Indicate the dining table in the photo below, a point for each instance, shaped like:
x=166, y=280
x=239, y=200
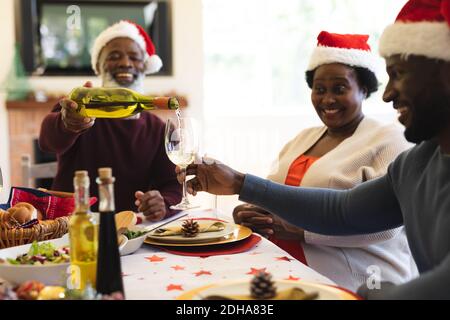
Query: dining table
x=153, y=273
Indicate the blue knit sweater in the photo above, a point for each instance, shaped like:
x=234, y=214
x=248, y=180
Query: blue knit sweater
x=415, y=192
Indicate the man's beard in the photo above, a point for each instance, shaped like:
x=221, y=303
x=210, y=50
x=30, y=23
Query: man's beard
x=428, y=120
x=137, y=85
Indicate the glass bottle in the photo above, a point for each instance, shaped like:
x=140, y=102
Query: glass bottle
x=117, y=102
x=83, y=237
x=109, y=273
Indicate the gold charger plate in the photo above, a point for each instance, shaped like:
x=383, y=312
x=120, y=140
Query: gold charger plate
x=226, y=288
x=239, y=233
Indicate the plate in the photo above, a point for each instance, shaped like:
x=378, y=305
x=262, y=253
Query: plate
x=239, y=233
x=199, y=238
x=241, y=288
x=49, y=274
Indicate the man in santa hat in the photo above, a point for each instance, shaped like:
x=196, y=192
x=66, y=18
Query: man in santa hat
x=416, y=190
x=121, y=56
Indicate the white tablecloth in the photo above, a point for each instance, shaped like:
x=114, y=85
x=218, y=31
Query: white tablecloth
x=153, y=274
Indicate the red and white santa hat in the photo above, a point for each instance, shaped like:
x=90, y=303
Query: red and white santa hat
x=421, y=28
x=127, y=29
x=349, y=49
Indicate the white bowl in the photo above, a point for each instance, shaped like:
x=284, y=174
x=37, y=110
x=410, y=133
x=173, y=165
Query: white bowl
x=128, y=246
x=48, y=274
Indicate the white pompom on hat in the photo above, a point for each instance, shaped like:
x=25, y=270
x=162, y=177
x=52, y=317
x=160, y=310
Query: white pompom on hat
x=127, y=29
x=349, y=49
x=421, y=28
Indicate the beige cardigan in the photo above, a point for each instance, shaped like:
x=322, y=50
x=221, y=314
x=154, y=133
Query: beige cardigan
x=363, y=156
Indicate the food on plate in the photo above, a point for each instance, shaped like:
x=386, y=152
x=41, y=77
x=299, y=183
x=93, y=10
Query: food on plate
x=44, y=253
x=125, y=220
x=204, y=226
x=29, y=290
x=130, y=234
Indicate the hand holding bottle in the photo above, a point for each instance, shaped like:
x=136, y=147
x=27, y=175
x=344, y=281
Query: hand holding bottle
x=71, y=119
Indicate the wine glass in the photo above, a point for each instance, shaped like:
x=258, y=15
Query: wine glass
x=181, y=142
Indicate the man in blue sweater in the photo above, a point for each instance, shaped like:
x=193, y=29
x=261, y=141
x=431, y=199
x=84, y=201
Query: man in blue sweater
x=416, y=190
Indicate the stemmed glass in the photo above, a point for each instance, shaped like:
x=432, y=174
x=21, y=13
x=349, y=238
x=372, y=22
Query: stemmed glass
x=181, y=142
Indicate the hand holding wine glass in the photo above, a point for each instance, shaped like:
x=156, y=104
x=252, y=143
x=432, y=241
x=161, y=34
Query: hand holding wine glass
x=181, y=142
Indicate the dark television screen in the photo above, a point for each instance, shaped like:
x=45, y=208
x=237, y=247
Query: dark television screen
x=57, y=35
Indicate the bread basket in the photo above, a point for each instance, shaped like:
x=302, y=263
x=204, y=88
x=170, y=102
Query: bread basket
x=13, y=235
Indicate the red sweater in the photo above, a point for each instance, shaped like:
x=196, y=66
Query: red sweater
x=134, y=149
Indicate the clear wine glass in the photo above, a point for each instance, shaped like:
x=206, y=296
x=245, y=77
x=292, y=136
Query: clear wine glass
x=181, y=142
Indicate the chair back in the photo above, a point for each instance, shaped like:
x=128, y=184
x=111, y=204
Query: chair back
x=30, y=171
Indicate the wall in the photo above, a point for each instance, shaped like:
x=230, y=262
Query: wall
x=188, y=67
x=6, y=56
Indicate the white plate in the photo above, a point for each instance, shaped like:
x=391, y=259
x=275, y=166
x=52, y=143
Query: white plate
x=49, y=274
x=241, y=288
x=199, y=238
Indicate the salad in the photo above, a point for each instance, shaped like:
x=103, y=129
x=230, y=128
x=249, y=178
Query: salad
x=134, y=234
x=44, y=253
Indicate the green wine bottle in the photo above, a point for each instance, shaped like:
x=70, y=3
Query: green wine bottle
x=117, y=102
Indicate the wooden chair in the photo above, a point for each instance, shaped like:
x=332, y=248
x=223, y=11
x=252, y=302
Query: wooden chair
x=30, y=171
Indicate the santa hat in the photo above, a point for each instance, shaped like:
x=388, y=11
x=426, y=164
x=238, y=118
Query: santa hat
x=127, y=29
x=422, y=28
x=349, y=49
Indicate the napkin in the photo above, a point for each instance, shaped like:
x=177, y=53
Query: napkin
x=288, y=294
x=210, y=226
x=215, y=250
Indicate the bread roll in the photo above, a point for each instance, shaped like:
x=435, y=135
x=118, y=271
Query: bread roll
x=23, y=212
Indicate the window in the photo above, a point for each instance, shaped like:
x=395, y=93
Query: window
x=257, y=51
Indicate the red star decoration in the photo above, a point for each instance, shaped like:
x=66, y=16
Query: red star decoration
x=177, y=268
x=254, y=271
x=292, y=278
x=284, y=259
x=202, y=272
x=172, y=287
x=154, y=258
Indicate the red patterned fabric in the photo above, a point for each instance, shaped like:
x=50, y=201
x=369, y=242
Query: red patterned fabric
x=50, y=206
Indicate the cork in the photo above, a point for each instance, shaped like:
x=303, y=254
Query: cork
x=105, y=173
x=81, y=174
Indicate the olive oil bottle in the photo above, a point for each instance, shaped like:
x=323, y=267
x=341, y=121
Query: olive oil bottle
x=109, y=271
x=83, y=236
x=117, y=102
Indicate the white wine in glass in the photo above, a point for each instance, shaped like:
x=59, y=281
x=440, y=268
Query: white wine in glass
x=181, y=143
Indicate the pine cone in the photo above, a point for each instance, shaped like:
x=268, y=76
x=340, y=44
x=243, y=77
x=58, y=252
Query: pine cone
x=190, y=228
x=262, y=286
